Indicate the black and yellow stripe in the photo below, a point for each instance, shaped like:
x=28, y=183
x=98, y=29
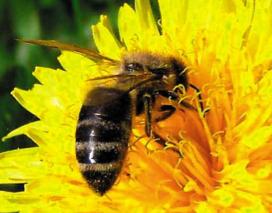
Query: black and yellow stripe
x=102, y=136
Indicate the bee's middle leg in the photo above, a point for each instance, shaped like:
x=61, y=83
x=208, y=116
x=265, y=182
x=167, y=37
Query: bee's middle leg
x=166, y=110
x=147, y=100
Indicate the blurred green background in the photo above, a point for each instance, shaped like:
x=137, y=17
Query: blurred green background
x=64, y=20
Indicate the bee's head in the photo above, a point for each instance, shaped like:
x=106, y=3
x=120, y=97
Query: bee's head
x=168, y=71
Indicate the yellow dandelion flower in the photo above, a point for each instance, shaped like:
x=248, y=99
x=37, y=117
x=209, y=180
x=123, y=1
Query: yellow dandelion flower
x=220, y=162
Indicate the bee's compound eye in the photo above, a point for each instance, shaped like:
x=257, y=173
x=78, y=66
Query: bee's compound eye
x=132, y=67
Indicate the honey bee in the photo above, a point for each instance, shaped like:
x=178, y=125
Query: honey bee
x=105, y=119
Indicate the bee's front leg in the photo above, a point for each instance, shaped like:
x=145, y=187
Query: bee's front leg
x=167, y=111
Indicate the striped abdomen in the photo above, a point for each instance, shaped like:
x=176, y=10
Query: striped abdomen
x=102, y=136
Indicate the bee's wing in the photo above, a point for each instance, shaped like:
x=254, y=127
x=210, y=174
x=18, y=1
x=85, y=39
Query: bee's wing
x=125, y=81
x=91, y=54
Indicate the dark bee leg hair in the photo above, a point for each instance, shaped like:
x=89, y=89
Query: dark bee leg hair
x=200, y=100
x=173, y=96
x=148, y=111
x=167, y=110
